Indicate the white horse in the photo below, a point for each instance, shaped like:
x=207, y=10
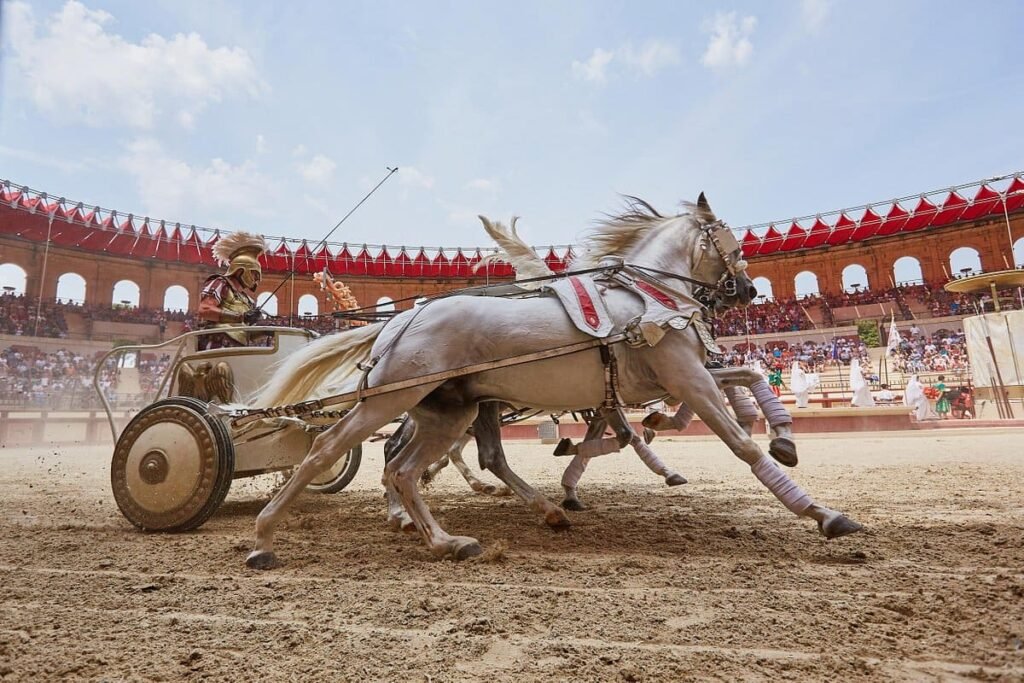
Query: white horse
x=465, y=332
x=529, y=266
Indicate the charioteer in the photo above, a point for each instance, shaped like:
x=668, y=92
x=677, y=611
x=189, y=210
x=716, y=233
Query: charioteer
x=228, y=300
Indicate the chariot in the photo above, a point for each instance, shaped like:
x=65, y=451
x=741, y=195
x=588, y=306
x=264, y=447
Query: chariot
x=174, y=459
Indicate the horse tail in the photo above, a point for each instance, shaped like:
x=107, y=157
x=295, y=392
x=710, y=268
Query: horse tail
x=320, y=365
x=513, y=250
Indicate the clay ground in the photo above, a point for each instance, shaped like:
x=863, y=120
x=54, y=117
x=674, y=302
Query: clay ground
x=709, y=580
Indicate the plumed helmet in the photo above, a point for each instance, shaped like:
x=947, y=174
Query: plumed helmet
x=240, y=252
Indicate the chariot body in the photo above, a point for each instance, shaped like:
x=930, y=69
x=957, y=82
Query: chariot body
x=175, y=459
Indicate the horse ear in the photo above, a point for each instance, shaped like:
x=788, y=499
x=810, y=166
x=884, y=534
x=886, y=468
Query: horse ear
x=702, y=202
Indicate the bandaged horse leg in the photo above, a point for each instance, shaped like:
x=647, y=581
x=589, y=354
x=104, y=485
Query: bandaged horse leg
x=437, y=427
x=701, y=392
x=780, y=422
x=659, y=421
x=487, y=431
x=654, y=463
x=576, y=468
x=744, y=407
x=357, y=426
x=782, y=446
x=594, y=445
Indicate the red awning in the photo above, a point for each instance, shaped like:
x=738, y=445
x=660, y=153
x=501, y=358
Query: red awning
x=986, y=201
x=770, y=242
x=951, y=210
x=1015, y=195
x=399, y=266
x=422, y=266
x=893, y=221
x=362, y=264
x=842, y=231
x=795, y=238
x=923, y=214
x=750, y=244
x=867, y=226
x=818, y=234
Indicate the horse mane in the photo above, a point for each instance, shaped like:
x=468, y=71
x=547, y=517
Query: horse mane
x=616, y=234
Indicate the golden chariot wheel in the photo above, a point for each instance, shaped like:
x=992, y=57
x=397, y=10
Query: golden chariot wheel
x=340, y=474
x=172, y=466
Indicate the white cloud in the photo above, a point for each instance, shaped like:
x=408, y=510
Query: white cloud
x=318, y=170
x=261, y=144
x=410, y=176
x=171, y=188
x=652, y=56
x=299, y=150
x=483, y=185
x=593, y=70
x=730, y=44
x=813, y=13
x=75, y=70
x=646, y=60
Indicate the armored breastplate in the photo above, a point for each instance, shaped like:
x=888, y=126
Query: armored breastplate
x=238, y=302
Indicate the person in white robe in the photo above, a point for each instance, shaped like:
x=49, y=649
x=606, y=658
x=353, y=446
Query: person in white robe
x=800, y=386
x=858, y=385
x=914, y=398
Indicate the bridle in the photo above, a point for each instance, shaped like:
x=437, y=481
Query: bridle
x=718, y=234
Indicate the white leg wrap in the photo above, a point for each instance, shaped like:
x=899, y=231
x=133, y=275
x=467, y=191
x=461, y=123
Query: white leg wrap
x=575, y=470
x=653, y=462
x=778, y=482
x=681, y=420
x=596, y=447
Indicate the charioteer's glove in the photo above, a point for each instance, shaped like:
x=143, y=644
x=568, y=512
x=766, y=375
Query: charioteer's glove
x=251, y=317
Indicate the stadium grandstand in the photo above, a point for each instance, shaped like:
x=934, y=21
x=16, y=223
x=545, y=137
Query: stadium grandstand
x=78, y=279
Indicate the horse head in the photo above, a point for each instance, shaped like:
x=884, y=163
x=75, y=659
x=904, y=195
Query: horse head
x=726, y=269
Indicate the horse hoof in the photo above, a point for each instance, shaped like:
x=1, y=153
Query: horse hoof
x=783, y=450
x=648, y=435
x=556, y=519
x=838, y=526
x=573, y=504
x=675, y=479
x=261, y=559
x=466, y=549
x=653, y=420
x=489, y=489
x=565, y=447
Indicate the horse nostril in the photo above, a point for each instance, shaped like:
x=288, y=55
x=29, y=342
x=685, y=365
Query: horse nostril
x=752, y=290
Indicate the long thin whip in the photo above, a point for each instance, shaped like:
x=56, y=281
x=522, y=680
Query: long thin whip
x=391, y=172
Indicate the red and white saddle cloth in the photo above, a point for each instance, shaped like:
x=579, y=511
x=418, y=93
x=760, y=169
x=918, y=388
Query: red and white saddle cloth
x=583, y=301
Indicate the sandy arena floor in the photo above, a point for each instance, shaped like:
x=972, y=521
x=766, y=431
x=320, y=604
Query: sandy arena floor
x=709, y=580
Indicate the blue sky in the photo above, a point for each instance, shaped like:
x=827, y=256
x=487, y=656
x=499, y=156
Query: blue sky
x=278, y=117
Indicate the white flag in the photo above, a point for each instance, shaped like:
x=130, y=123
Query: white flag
x=894, y=337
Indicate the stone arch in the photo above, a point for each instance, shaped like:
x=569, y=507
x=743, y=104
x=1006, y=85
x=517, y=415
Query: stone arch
x=13, y=279
x=176, y=298
x=126, y=294
x=764, y=287
x=907, y=270
x=964, y=261
x=806, y=284
x=855, y=274
x=1018, y=252
x=71, y=288
x=267, y=302
x=385, y=304
x=309, y=305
